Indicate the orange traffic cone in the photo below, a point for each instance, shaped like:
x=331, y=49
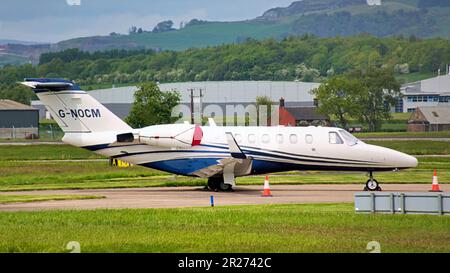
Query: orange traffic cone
x=266, y=192
x=435, y=186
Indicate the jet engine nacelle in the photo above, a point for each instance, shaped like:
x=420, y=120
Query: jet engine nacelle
x=171, y=136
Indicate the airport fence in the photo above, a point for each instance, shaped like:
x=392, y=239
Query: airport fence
x=46, y=131
x=50, y=131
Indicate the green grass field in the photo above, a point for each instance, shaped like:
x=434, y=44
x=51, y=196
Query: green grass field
x=443, y=134
x=44, y=152
x=266, y=228
x=398, y=123
x=82, y=175
x=5, y=199
x=25, y=175
x=415, y=147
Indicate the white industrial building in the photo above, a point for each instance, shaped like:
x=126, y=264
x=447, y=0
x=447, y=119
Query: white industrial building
x=119, y=100
x=430, y=92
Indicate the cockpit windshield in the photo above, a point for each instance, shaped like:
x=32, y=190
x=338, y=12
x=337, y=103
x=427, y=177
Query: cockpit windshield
x=349, y=138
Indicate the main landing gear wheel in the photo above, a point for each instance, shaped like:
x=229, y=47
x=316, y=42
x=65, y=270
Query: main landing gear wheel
x=372, y=184
x=225, y=187
x=217, y=184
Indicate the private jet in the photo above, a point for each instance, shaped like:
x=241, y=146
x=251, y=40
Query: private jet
x=217, y=153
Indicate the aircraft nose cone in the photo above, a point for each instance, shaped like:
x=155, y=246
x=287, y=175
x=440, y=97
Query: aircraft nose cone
x=409, y=161
x=401, y=160
x=391, y=158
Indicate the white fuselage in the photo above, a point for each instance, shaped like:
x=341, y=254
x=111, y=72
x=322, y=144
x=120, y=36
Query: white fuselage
x=271, y=149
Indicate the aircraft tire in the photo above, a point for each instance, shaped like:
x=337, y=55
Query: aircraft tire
x=225, y=187
x=217, y=184
x=372, y=185
x=212, y=184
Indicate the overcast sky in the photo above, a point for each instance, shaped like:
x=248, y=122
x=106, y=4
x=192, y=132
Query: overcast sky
x=56, y=20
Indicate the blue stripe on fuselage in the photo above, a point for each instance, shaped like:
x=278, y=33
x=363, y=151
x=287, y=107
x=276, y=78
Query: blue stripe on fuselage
x=188, y=166
x=185, y=166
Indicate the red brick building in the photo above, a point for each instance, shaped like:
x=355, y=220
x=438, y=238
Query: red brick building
x=301, y=116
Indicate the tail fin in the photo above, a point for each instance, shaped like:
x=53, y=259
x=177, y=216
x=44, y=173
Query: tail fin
x=74, y=110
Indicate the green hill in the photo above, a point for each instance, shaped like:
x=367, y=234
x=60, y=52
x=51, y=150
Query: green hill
x=12, y=59
x=324, y=18
x=208, y=34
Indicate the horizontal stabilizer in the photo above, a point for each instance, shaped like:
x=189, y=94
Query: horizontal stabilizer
x=38, y=84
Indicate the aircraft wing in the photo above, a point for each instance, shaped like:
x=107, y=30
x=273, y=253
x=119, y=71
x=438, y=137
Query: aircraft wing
x=217, y=168
x=238, y=163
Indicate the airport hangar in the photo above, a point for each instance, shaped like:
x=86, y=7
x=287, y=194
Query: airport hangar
x=18, y=120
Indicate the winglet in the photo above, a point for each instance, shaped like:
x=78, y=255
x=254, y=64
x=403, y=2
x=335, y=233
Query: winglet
x=235, y=150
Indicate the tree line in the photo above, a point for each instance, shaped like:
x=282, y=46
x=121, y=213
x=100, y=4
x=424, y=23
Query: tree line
x=380, y=23
x=306, y=58
x=163, y=26
x=362, y=95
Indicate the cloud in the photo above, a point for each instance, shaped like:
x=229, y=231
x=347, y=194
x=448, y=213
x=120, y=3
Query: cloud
x=66, y=28
x=63, y=28
x=374, y=2
x=73, y=2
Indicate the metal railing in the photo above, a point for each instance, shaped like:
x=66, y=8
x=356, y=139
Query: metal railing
x=403, y=202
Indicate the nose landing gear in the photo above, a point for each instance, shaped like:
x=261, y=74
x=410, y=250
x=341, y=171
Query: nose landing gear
x=372, y=184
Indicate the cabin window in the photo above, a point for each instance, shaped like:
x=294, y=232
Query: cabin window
x=251, y=138
x=293, y=139
x=309, y=139
x=280, y=139
x=265, y=138
x=334, y=138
